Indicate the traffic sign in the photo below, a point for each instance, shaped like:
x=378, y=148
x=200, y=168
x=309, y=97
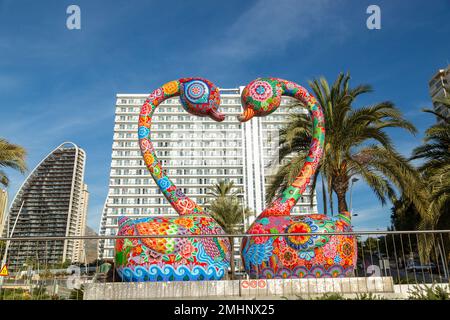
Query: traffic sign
x=4, y=271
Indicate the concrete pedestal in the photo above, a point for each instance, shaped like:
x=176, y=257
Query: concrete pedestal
x=236, y=289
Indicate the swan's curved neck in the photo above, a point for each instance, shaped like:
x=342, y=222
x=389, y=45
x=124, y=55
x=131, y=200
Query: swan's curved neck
x=290, y=196
x=182, y=204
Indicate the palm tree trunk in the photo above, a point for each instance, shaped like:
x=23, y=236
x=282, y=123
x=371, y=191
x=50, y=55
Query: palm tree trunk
x=324, y=198
x=342, y=202
x=330, y=198
x=340, y=186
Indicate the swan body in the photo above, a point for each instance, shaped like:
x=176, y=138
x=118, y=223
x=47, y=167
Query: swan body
x=172, y=258
x=317, y=254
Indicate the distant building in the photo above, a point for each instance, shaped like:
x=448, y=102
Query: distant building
x=52, y=202
x=79, y=251
x=440, y=88
x=3, y=206
x=197, y=153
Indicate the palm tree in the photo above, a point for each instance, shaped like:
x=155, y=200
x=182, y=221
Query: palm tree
x=227, y=210
x=356, y=144
x=404, y=215
x=12, y=156
x=436, y=166
x=230, y=214
x=2, y=248
x=223, y=189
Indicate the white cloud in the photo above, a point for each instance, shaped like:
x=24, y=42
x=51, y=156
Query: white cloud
x=373, y=217
x=270, y=26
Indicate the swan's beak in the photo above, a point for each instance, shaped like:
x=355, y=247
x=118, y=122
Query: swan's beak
x=217, y=116
x=246, y=115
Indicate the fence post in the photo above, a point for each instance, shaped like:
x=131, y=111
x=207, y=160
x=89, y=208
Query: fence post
x=232, y=258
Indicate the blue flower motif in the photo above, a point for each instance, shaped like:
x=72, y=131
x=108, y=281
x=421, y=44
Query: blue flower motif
x=337, y=259
x=260, y=89
x=143, y=132
x=309, y=241
x=307, y=255
x=264, y=221
x=257, y=253
x=163, y=183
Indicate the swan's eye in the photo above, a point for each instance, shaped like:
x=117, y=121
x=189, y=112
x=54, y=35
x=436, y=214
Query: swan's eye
x=260, y=98
x=197, y=91
x=200, y=97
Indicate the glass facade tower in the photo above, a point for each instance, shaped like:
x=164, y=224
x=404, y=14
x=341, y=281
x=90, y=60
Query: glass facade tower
x=52, y=202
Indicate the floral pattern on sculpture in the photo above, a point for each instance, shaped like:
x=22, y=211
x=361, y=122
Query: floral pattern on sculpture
x=172, y=258
x=312, y=251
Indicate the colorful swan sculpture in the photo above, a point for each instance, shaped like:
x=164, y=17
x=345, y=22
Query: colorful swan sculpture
x=297, y=256
x=173, y=259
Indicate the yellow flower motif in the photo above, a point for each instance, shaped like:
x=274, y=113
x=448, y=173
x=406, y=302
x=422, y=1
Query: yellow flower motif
x=187, y=223
x=312, y=100
x=170, y=87
x=148, y=158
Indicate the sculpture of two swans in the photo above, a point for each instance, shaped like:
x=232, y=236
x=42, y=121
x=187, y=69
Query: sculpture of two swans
x=170, y=259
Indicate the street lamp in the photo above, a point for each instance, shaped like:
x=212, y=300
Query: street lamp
x=351, y=189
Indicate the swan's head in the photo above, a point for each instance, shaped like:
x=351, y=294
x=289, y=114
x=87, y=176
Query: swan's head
x=260, y=98
x=200, y=97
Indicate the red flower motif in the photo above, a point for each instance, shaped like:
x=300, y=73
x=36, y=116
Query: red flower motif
x=258, y=229
x=288, y=256
x=187, y=250
x=146, y=108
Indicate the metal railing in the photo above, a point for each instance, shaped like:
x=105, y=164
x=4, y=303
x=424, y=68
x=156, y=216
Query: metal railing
x=409, y=257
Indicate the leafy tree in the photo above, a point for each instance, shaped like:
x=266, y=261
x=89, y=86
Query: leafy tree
x=404, y=216
x=2, y=247
x=227, y=210
x=11, y=156
x=223, y=189
x=435, y=152
x=435, y=171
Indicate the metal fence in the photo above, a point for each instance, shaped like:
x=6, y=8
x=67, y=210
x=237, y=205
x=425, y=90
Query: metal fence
x=409, y=257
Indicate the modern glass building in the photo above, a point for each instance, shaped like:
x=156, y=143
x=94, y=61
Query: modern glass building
x=52, y=202
x=196, y=152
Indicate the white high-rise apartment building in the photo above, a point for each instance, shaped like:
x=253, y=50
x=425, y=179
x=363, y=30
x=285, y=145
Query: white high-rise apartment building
x=440, y=88
x=196, y=152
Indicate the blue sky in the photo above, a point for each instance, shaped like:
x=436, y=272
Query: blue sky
x=58, y=84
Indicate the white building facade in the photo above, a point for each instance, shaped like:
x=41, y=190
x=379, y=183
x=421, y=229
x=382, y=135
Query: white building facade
x=439, y=86
x=196, y=152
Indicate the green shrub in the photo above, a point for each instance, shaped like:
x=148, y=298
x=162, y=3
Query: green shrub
x=14, y=294
x=77, y=294
x=405, y=281
x=367, y=296
x=331, y=296
x=40, y=293
x=432, y=292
